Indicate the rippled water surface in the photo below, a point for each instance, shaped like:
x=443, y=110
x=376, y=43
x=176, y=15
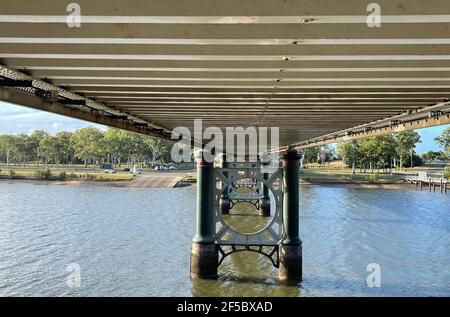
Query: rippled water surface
x=136, y=242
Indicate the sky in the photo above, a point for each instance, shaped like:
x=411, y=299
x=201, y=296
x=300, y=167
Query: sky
x=17, y=119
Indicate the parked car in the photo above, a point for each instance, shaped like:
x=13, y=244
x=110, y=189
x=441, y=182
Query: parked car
x=172, y=167
x=126, y=169
x=157, y=168
x=109, y=170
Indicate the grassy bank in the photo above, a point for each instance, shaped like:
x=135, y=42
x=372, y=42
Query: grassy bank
x=62, y=175
x=329, y=174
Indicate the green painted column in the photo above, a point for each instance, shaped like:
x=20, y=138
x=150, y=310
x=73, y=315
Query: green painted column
x=290, y=270
x=264, y=209
x=204, y=252
x=265, y=188
x=291, y=197
x=225, y=203
x=205, y=196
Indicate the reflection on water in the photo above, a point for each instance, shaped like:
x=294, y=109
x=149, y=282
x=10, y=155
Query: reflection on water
x=250, y=273
x=244, y=218
x=136, y=242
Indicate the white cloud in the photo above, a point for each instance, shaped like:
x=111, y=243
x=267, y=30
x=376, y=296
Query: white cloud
x=17, y=119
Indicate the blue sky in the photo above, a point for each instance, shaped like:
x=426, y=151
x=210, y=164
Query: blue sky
x=16, y=119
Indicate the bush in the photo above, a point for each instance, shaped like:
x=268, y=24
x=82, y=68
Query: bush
x=11, y=173
x=373, y=178
x=42, y=174
x=62, y=175
x=447, y=172
x=72, y=175
x=90, y=177
x=37, y=174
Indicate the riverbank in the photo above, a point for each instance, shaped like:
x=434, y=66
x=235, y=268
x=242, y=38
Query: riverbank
x=144, y=180
x=64, y=182
x=367, y=185
x=361, y=181
x=172, y=179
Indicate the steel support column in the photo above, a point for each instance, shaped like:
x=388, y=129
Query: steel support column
x=225, y=203
x=204, y=252
x=264, y=206
x=290, y=270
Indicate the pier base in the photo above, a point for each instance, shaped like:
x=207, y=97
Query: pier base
x=204, y=260
x=264, y=207
x=290, y=270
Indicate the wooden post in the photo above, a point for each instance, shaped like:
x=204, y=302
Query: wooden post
x=440, y=187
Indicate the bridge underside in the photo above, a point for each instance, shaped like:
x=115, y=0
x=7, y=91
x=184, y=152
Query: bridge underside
x=313, y=68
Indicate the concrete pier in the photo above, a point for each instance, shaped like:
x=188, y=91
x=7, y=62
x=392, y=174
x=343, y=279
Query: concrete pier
x=204, y=260
x=290, y=270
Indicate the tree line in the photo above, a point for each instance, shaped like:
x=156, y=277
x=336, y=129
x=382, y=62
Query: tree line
x=93, y=147
x=90, y=146
x=385, y=151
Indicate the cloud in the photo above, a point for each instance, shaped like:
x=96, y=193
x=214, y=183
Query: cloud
x=17, y=119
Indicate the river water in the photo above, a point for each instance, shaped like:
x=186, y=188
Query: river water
x=136, y=242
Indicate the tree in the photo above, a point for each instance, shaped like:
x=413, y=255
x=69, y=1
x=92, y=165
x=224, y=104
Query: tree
x=369, y=151
x=311, y=154
x=34, y=140
x=117, y=144
x=8, y=145
x=385, y=150
x=65, y=150
x=444, y=141
x=160, y=149
x=22, y=150
x=432, y=155
x=376, y=151
x=406, y=142
x=49, y=149
x=88, y=145
x=350, y=153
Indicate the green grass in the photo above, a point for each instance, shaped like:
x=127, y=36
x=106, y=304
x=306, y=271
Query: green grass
x=98, y=176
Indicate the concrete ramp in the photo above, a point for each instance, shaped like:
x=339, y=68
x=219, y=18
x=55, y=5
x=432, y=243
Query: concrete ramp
x=156, y=180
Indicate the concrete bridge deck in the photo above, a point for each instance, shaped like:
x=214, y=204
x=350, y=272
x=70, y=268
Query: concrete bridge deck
x=321, y=72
